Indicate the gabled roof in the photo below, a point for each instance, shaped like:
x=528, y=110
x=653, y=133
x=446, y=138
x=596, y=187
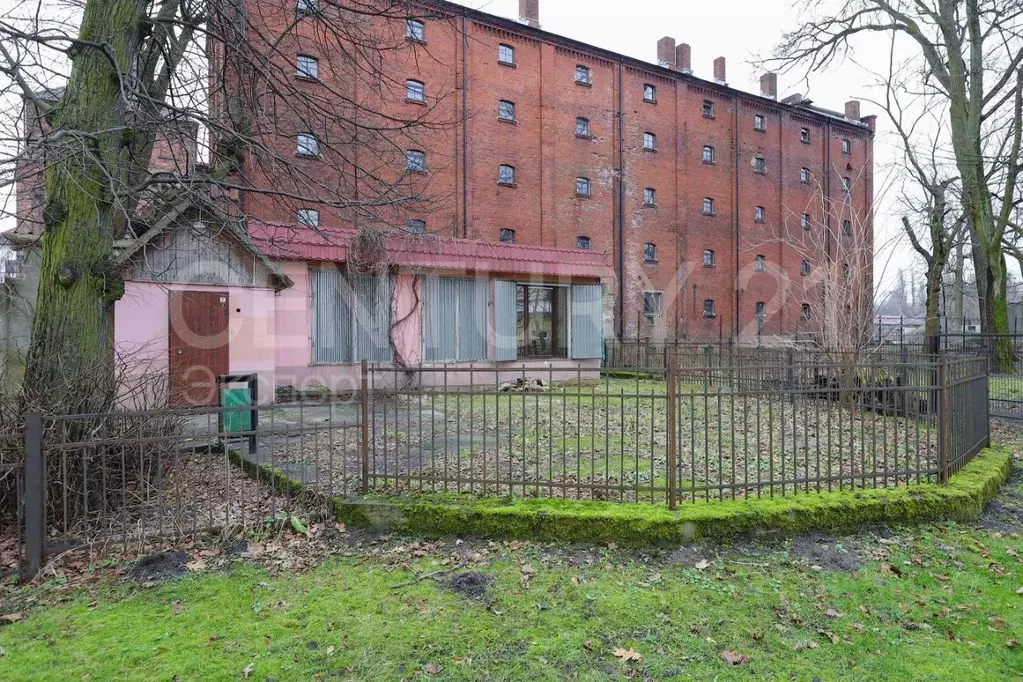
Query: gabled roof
x=297, y=242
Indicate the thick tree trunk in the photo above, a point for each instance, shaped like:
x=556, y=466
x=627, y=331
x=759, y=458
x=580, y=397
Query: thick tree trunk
x=933, y=303
x=69, y=366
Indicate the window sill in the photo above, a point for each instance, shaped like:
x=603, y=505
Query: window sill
x=584, y=84
x=709, y=163
x=509, y=121
x=649, y=205
x=314, y=157
x=416, y=171
x=649, y=262
x=762, y=173
x=648, y=150
x=508, y=65
x=709, y=215
x=710, y=116
x=708, y=317
x=804, y=141
x=583, y=196
x=420, y=102
x=512, y=185
x=709, y=267
x=649, y=101
x=760, y=222
x=306, y=79
x=418, y=41
x=583, y=137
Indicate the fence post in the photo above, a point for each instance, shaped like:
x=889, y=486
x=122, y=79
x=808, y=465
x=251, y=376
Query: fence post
x=672, y=392
x=364, y=399
x=944, y=419
x=35, y=496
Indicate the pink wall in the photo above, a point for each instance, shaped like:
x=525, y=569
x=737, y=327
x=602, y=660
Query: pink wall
x=141, y=333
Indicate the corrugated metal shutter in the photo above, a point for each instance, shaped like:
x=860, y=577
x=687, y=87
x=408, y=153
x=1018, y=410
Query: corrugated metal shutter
x=505, y=320
x=372, y=318
x=587, y=330
x=455, y=319
x=332, y=337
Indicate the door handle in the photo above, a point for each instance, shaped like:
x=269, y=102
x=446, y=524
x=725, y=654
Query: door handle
x=180, y=352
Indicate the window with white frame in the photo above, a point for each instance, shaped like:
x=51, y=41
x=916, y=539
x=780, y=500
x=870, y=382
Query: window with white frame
x=583, y=243
x=708, y=258
x=308, y=217
x=804, y=221
x=760, y=214
x=649, y=253
x=761, y=263
x=542, y=321
x=306, y=144
x=415, y=91
x=582, y=127
x=649, y=93
x=708, y=307
x=759, y=123
x=506, y=236
x=505, y=175
x=804, y=176
x=506, y=55
x=708, y=206
x=582, y=187
x=351, y=317
x=708, y=108
x=582, y=75
x=650, y=142
x=307, y=67
x=846, y=185
x=506, y=110
x=415, y=30
x=759, y=165
x=649, y=197
x=651, y=304
x=846, y=146
x=415, y=161
x=307, y=6
x=708, y=154
x=804, y=135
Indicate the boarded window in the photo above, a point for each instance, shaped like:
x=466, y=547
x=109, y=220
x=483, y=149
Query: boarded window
x=351, y=317
x=455, y=319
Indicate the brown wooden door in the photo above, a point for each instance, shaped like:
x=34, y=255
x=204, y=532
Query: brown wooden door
x=198, y=346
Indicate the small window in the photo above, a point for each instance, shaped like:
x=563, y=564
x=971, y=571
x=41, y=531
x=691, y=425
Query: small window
x=761, y=264
x=307, y=145
x=309, y=217
x=506, y=110
x=506, y=55
x=760, y=214
x=582, y=187
x=804, y=135
x=416, y=227
x=507, y=236
x=650, y=142
x=649, y=93
x=804, y=268
x=415, y=30
x=415, y=91
x=505, y=175
x=708, y=108
x=307, y=67
x=759, y=165
x=708, y=154
x=708, y=206
x=761, y=309
x=804, y=176
x=649, y=253
x=846, y=273
x=649, y=197
x=307, y=6
x=759, y=123
x=846, y=228
x=582, y=127
x=804, y=221
x=708, y=307
x=582, y=75
x=708, y=258
x=652, y=303
x=804, y=312
x=846, y=185
x=584, y=243
x=846, y=146
x=415, y=161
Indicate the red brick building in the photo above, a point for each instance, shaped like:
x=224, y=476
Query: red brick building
x=715, y=206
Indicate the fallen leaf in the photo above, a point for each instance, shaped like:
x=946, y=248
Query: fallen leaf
x=432, y=669
x=196, y=566
x=942, y=577
x=733, y=658
x=178, y=606
x=1012, y=644
x=330, y=651
x=588, y=645
x=832, y=613
x=527, y=569
x=805, y=645
x=702, y=564
x=248, y=670
x=1019, y=591
x=627, y=654
x=12, y=617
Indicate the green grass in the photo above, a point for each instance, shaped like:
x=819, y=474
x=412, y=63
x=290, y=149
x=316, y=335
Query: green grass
x=936, y=602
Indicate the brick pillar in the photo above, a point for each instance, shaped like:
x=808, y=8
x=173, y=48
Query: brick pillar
x=769, y=85
x=684, y=58
x=529, y=12
x=852, y=110
x=666, y=52
x=719, y=70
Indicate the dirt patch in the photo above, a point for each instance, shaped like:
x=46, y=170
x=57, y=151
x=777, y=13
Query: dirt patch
x=1005, y=512
x=160, y=566
x=472, y=585
x=826, y=552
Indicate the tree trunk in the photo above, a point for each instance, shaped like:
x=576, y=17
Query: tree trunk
x=69, y=367
x=933, y=304
x=959, y=313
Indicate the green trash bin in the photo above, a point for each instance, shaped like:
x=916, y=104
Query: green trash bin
x=236, y=421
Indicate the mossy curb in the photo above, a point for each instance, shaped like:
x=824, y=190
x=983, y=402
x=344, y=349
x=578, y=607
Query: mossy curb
x=651, y=525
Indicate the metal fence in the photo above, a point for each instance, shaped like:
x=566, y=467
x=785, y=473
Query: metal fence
x=668, y=435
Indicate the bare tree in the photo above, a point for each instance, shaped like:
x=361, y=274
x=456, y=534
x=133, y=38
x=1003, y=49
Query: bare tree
x=969, y=54
x=110, y=87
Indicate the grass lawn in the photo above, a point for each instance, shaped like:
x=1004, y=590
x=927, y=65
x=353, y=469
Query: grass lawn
x=936, y=602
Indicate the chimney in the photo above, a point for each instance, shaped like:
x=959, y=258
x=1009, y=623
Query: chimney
x=719, y=71
x=684, y=59
x=666, y=52
x=852, y=110
x=769, y=85
x=529, y=13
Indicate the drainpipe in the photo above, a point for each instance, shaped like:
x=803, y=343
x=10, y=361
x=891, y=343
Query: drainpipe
x=465, y=132
x=620, y=198
x=736, y=211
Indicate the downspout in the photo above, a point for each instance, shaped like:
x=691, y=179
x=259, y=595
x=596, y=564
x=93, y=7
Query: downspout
x=620, y=198
x=735, y=211
x=465, y=132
